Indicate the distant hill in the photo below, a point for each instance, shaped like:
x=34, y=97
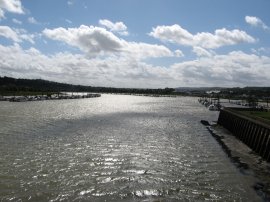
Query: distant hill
x=201, y=89
x=11, y=85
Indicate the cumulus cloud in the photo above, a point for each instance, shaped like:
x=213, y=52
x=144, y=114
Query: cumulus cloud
x=32, y=20
x=144, y=50
x=9, y=33
x=89, y=39
x=221, y=37
x=117, y=62
x=13, y=6
x=178, y=53
x=256, y=22
x=16, y=21
x=261, y=51
x=118, y=27
x=233, y=69
x=75, y=68
x=201, y=52
x=16, y=35
x=97, y=41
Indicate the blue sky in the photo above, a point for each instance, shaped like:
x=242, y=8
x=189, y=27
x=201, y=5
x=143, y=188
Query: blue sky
x=144, y=44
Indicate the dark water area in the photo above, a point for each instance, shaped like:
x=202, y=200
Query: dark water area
x=115, y=148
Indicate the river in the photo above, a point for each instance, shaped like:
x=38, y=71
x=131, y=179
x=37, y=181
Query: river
x=114, y=148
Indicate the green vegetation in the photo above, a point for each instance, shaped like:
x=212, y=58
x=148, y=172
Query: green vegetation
x=26, y=93
x=12, y=86
x=250, y=95
x=258, y=114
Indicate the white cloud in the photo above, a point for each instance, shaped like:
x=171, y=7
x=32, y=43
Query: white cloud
x=178, y=53
x=117, y=62
x=16, y=35
x=118, y=27
x=96, y=41
x=221, y=37
x=28, y=37
x=71, y=68
x=261, y=51
x=16, y=21
x=144, y=50
x=201, y=52
x=2, y=14
x=70, y=3
x=9, y=33
x=255, y=21
x=68, y=21
x=32, y=20
x=92, y=40
x=233, y=69
x=13, y=6
x=173, y=34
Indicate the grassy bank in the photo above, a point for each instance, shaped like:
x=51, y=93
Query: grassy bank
x=257, y=114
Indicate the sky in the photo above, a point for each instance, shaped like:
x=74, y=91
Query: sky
x=137, y=43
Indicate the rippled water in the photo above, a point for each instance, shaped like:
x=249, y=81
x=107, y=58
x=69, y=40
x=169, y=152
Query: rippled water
x=114, y=148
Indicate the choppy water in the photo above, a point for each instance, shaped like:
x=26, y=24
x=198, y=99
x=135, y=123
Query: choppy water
x=114, y=148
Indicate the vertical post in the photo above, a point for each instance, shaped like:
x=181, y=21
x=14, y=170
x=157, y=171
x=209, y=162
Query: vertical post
x=256, y=137
x=260, y=140
x=264, y=142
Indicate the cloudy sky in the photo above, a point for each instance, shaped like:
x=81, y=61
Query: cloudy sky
x=137, y=43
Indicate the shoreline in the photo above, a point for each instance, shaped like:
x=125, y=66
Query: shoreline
x=246, y=161
x=45, y=97
x=69, y=96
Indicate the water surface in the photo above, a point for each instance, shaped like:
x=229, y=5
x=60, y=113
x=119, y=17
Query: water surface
x=114, y=148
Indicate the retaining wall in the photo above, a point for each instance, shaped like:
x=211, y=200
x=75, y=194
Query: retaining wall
x=254, y=133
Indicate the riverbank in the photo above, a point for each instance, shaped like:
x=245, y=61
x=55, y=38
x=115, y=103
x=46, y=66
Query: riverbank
x=247, y=162
x=47, y=97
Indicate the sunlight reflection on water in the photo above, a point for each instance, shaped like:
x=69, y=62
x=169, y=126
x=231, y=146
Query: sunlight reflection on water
x=113, y=148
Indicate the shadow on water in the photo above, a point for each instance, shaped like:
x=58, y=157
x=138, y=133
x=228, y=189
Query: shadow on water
x=116, y=148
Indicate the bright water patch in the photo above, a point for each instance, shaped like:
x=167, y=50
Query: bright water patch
x=114, y=148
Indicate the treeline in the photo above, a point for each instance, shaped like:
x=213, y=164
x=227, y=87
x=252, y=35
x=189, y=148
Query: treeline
x=258, y=92
x=10, y=86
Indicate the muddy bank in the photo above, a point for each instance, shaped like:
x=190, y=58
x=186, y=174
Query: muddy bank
x=248, y=163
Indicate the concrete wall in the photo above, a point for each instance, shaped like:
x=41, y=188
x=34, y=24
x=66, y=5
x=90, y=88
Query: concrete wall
x=254, y=133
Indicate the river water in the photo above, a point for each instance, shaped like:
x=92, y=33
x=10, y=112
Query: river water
x=114, y=148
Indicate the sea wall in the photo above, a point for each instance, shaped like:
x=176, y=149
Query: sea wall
x=253, y=132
